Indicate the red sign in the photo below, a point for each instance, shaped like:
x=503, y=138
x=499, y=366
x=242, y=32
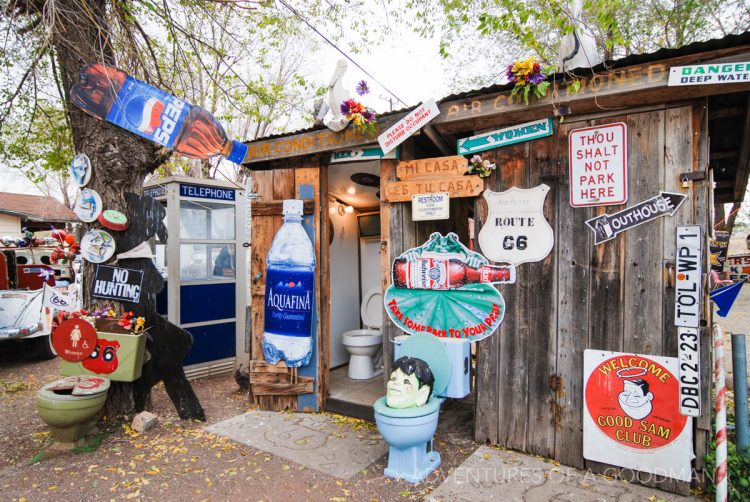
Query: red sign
x=634, y=401
x=599, y=165
x=74, y=340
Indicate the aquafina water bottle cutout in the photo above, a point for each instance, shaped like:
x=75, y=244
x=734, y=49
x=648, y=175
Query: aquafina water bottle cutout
x=290, y=292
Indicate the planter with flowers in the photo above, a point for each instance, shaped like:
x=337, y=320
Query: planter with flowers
x=120, y=348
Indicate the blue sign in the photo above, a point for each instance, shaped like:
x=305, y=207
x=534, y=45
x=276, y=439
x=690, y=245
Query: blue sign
x=155, y=192
x=203, y=192
x=148, y=112
x=506, y=136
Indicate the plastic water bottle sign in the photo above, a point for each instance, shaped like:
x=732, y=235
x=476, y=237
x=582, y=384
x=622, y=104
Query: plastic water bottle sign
x=289, y=302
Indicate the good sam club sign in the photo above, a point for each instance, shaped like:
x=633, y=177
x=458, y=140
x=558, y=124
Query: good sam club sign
x=599, y=165
x=631, y=416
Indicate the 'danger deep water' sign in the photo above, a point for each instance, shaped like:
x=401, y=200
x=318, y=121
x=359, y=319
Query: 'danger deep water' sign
x=631, y=414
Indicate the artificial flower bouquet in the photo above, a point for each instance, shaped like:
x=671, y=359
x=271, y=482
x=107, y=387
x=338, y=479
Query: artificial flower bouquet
x=481, y=167
x=528, y=77
x=361, y=116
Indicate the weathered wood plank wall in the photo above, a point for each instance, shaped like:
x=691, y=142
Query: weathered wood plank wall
x=615, y=296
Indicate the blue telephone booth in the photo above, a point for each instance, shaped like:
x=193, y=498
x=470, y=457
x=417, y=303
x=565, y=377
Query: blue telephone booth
x=206, y=268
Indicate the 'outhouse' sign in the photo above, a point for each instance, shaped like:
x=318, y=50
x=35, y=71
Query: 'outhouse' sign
x=599, y=165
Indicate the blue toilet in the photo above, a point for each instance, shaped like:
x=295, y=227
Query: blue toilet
x=409, y=432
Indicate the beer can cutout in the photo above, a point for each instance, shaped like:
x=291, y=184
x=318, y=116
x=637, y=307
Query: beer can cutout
x=113, y=220
x=97, y=246
x=80, y=170
x=445, y=289
x=88, y=205
x=74, y=340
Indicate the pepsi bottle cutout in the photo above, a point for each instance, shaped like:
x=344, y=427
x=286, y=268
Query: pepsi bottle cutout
x=108, y=93
x=290, y=292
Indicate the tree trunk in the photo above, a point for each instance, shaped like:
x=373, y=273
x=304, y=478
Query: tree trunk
x=120, y=162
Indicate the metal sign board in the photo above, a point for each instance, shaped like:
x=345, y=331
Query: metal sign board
x=701, y=74
x=607, y=226
x=205, y=192
x=688, y=353
x=689, y=265
x=516, y=231
x=455, y=165
x=116, y=283
x=505, y=136
x=598, y=165
x=738, y=267
x=445, y=289
x=414, y=121
x=430, y=206
x=631, y=415
x=455, y=186
x=372, y=152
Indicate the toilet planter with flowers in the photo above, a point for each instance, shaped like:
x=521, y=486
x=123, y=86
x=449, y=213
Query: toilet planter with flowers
x=119, y=350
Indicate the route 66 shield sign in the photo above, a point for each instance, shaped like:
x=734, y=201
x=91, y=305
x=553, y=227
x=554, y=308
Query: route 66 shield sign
x=516, y=231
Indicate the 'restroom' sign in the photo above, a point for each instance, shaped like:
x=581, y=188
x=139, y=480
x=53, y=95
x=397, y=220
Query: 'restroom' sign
x=631, y=414
x=599, y=165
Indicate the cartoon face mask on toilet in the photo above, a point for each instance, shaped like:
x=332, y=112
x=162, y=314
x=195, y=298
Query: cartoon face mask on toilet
x=410, y=384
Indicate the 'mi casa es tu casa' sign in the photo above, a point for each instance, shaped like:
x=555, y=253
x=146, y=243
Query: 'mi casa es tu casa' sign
x=445, y=289
x=506, y=136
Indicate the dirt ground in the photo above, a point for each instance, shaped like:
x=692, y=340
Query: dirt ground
x=177, y=460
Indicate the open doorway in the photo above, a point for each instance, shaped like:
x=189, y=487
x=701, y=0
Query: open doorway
x=356, y=308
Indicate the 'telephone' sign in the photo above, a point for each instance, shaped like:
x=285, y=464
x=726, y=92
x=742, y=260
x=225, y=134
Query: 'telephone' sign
x=689, y=260
x=204, y=192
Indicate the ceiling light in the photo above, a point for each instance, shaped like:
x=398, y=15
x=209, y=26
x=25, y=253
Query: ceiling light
x=349, y=209
x=351, y=190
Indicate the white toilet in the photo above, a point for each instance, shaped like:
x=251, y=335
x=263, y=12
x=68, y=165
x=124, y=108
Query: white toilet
x=364, y=344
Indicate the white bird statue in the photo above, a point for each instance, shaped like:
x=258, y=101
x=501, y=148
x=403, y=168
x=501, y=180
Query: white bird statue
x=333, y=118
x=578, y=48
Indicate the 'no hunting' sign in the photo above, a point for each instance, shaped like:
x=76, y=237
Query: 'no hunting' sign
x=115, y=283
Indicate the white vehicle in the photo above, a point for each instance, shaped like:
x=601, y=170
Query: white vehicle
x=21, y=318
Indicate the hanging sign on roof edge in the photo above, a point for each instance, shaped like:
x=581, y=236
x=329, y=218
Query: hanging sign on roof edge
x=505, y=136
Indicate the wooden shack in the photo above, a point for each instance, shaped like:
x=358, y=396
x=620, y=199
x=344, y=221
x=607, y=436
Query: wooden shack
x=615, y=296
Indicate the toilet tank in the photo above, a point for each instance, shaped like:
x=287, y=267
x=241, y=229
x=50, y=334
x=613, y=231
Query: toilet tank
x=459, y=353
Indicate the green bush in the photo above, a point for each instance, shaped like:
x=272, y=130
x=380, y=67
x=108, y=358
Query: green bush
x=739, y=472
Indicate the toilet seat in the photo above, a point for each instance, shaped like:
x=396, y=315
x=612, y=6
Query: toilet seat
x=362, y=337
x=82, y=387
x=431, y=406
x=431, y=350
x=371, y=308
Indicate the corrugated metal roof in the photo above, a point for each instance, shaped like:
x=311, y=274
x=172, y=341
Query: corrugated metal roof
x=635, y=59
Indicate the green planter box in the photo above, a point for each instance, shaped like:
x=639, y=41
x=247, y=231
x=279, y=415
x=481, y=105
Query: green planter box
x=120, y=358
